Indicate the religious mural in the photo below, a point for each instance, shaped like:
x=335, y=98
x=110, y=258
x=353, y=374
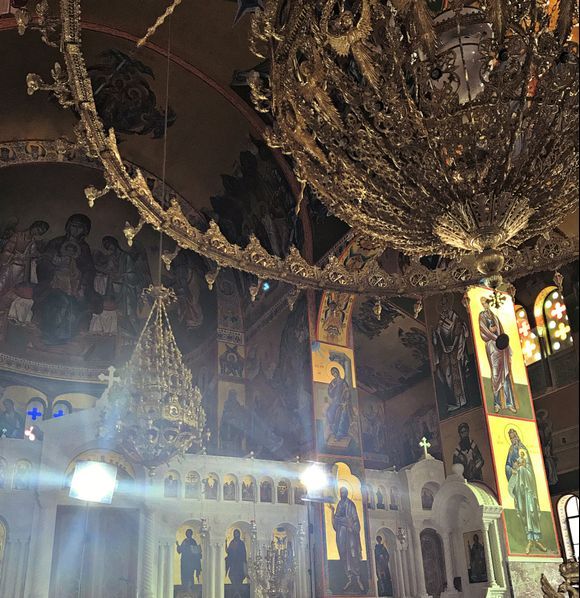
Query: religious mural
x=518, y=455
x=279, y=387
x=70, y=291
x=257, y=200
x=188, y=558
x=346, y=549
x=124, y=98
x=453, y=355
x=433, y=562
x=522, y=487
x=238, y=543
x=336, y=403
x=382, y=567
x=465, y=442
x=502, y=367
x=475, y=557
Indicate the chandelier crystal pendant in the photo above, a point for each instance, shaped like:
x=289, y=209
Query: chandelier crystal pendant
x=447, y=131
x=154, y=412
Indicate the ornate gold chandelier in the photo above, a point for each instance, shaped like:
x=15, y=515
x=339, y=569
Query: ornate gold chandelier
x=154, y=412
x=445, y=132
x=407, y=177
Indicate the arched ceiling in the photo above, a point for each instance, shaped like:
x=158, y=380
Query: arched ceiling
x=212, y=123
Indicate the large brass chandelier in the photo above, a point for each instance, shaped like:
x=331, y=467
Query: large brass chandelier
x=445, y=131
x=453, y=135
x=153, y=412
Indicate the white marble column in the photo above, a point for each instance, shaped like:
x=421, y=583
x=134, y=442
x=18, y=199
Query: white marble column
x=10, y=568
x=421, y=587
x=168, y=570
x=409, y=571
x=488, y=557
x=22, y=568
x=160, y=568
x=302, y=552
x=37, y=580
x=219, y=569
x=448, y=556
x=496, y=544
x=401, y=589
x=405, y=563
x=147, y=573
x=209, y=573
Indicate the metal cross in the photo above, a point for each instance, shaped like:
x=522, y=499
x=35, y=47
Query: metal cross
x=425, y=445
x=110, y=378
x=34, y=414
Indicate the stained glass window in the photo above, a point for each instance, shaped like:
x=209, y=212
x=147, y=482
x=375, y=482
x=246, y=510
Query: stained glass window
x=528, y=338
x=558, y=329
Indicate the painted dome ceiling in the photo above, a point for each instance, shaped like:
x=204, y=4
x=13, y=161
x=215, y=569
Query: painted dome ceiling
x=216, y=162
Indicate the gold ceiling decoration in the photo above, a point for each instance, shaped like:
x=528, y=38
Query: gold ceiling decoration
x=439, y=133
x=153, y=411
x=72, y=87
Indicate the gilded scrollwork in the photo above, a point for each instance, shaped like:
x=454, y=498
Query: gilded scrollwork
x=326, y=68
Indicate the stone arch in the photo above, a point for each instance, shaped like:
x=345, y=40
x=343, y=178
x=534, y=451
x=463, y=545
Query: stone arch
x=465, y=510
x=230, y=488
x=35, y=412
x=172, y=484
x=381, y=497
x=433, y=562
x=61, y=408
x=369, y=494
x=428, y=493
x=388, y=582
x=248, y=489
x=283, y=491
x=192, y=485
x=77, y=400
x=266, y=490
x=245, y=530
x=196, y=526
x=22, y=478
x=125, y=471
x=211, y=486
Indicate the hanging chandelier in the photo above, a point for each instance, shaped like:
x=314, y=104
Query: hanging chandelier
x=447, y=131
x=378, y=107
x=272, y=572
x=153, y=412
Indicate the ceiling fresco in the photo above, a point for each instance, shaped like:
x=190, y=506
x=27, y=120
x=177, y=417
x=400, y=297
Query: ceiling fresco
x=392, y=353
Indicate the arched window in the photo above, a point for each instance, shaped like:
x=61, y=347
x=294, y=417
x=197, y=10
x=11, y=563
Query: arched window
x=60, y=409
x=528, y=338
x=172, y=484
x=552, y=319
x=568, y=513
x=35, y=412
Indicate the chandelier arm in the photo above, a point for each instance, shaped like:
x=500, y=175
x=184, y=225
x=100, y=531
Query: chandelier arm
x=412, y=108
x=527, y=68
x=417, y=280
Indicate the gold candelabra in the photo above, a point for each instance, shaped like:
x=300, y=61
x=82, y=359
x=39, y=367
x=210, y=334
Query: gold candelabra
x=272, y=571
